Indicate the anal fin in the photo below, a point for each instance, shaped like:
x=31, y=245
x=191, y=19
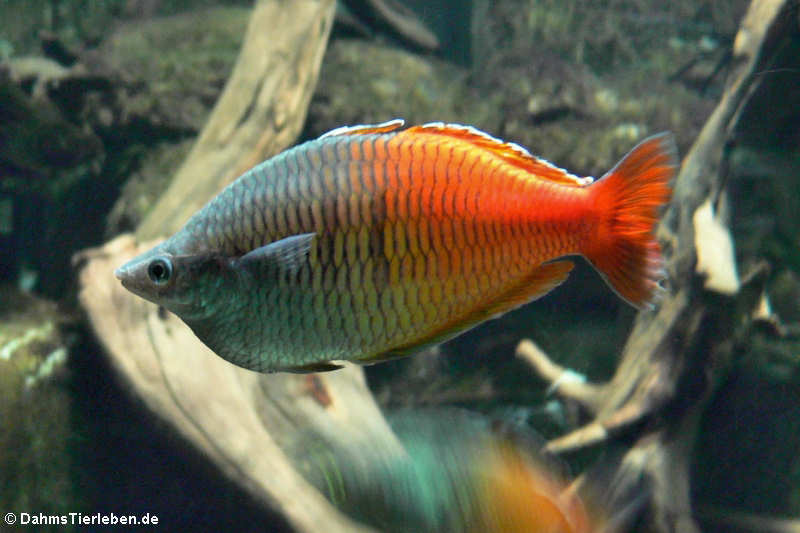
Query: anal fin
x=542, y=280
x=325, y=366
x=538, y=283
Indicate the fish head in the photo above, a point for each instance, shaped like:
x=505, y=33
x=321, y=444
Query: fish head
x=188, y=285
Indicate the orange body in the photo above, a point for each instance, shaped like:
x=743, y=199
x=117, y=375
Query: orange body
x=441, y=227
x=521, y=496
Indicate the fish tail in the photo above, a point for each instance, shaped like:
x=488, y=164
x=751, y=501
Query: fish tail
x=622, y=246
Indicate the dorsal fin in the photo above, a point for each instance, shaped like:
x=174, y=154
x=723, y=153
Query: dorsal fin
x=363, y=129
x=509, y=152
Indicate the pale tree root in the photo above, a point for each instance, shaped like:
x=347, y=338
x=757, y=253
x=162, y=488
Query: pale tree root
x=676, y=355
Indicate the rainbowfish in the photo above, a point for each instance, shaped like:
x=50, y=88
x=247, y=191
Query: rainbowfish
x=455, y=472
x=374, y=241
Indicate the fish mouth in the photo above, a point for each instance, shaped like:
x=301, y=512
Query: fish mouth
x=134, y=277
x=127, y=275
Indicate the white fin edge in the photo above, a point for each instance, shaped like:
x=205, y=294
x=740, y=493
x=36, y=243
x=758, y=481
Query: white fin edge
x=389, y=125
x=588, y=180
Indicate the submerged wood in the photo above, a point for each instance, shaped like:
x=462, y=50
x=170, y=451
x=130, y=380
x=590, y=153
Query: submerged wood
x=675, y=355
x=260, y=112
x=242, y=421
x=405, y=23
x=395, y=15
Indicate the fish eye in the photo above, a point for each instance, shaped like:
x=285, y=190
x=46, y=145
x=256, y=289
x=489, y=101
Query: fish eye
x=159, y=270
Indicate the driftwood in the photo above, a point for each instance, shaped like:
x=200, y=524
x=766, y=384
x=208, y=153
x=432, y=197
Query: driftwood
x=398, y=18
x=241, y=420
x=260, y=112
x=676, y=354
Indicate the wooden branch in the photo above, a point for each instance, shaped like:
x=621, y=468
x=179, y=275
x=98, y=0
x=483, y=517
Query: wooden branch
x=392, y=14
x=260, y=112
x=405, y=22
x=675, y=355
x=661, y=342
x=244, y=422
x=562, y=381
x=714, y=245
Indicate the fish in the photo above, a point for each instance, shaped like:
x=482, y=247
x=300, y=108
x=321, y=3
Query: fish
x=372, y=242
x=455, y=472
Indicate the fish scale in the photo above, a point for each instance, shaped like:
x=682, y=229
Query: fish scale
x=372, y=242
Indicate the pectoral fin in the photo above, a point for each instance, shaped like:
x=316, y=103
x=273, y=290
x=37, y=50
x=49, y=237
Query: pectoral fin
x=285, y=256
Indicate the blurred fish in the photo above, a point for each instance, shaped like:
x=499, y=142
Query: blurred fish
x=374, y=241
x=457, y=475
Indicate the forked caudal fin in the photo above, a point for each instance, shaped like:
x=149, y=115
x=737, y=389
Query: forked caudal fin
x=627, y=199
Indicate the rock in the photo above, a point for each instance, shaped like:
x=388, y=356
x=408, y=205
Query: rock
x=577, y=100
x=365, y=82
x=71, y=136
x=34, y=406
x=145, y=185
x=170, y=69
x=41, y=151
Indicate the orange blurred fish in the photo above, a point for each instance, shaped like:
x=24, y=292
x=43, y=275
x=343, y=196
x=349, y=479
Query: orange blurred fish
x=374, y=241
x=454, y=473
